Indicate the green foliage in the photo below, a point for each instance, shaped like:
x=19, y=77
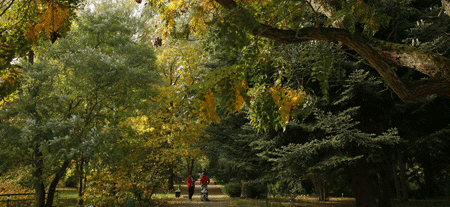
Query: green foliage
x=233, y=189
x=74, y=97
x=357, y=12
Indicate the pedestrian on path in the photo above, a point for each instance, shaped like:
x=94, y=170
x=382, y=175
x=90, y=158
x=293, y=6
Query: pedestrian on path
x=191, y=185
x=204, y=181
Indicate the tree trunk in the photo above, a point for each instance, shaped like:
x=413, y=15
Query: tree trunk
x=171, y=177
x=362, y=185
x=384, y=178
x=319, y=186
x=39, y=188
x=403, y=179
x=52, y=189
x=190, y=165
x=396, y=177
x=80, y=182
x=245, y=190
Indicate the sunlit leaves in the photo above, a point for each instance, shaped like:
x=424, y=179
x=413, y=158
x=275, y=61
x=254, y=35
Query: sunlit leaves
x=272, y=106
x=52, y=18
x=357, y=11
x=208, y=108
x=8, y=82
x=286, y=99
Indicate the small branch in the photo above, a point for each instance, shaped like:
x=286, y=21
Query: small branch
x=7, y=7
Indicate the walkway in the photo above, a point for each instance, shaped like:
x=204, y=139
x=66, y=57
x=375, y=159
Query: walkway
x=216, y=197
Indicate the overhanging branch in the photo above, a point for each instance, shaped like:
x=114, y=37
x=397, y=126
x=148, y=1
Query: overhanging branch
x=406, y=91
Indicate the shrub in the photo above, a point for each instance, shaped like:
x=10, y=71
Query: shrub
x=233, y=189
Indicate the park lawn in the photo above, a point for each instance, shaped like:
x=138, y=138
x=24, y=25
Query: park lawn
x=333, y=202
x=66, y=197
x=303, y=201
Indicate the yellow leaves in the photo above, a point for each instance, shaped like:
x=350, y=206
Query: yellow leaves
x=238, y=96
x=286, y=99
x=208, y=108
x=52, y=18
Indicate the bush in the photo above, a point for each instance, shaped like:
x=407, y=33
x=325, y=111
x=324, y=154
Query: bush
x=257, y=190
x=233, y=189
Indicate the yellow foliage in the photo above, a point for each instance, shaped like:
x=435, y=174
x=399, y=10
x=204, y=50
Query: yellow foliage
x=286, y=99
x=52, y=18
x=238, y=96
x=208, y=108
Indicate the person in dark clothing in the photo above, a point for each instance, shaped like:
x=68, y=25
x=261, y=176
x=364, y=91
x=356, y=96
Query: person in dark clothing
x=191, y=185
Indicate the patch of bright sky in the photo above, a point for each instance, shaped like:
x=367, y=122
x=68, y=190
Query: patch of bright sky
x=137, y=10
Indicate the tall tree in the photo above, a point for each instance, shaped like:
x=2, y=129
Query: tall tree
x=76, y=89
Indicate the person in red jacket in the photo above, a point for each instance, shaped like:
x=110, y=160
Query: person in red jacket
x=204, y=181
x=191, y=185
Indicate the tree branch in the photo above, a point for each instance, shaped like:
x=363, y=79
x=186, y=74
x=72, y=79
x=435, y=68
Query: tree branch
x=7, y=7
x=379, y=60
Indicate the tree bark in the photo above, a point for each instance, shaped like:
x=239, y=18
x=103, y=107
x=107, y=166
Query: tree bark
x=80, y=182
x=39, y=188
x=319, y=186
x=446, y=6
x=52, y=189
x=396, y=177
x=362, y=185
x=430, y=64
x=171, y=177
x=190, y=165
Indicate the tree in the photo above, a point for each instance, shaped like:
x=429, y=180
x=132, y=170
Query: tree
x=21, y=24
x=228, y=145
x=354, y=24
x=77, y=89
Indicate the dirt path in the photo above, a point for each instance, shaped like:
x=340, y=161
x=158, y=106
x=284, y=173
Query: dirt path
x=215, y=194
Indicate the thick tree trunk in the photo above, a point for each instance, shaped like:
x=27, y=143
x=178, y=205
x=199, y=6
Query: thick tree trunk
x=52, y=189
x=39, y=193
x=362, y=185
x=39, y=188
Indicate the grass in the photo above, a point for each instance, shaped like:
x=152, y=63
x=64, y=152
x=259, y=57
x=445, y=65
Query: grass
x=334, y=202
x=67, y=197
x=303, y=202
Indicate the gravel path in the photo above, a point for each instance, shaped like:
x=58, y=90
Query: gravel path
x=215, y=194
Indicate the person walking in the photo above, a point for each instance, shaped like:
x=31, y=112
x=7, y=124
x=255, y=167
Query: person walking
x=204, y=181
x=191, y=185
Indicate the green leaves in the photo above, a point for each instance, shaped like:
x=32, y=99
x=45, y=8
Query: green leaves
x=358, y=16
x=79, y=90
